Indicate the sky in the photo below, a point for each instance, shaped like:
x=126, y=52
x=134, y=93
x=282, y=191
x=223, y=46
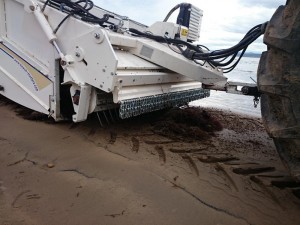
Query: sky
x=224, y=22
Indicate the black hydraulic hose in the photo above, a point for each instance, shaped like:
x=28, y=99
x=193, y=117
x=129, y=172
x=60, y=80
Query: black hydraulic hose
x=224, y=58
x=229, y=69
x=216, y=63
x=163, y=39
x=90, y=3
x=171, y=12
x=79, y=9
x=97, y=20
x=224, y=53
x=46, y=3
x=61, y=23
x=244, y=42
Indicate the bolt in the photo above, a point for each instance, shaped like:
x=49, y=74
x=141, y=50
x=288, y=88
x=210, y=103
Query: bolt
x=32, y=8
x=97, y=35
x=101, y=86
x=112, y=73
x=63, y=63
x=104, y=70
x=77, y=54
x=109, y=89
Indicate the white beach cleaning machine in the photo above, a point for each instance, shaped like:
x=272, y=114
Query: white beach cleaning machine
x=69, y=58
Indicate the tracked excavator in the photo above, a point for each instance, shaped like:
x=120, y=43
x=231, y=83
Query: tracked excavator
x=68, y=58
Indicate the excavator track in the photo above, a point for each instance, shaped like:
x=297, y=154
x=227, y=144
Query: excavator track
x=279, y=83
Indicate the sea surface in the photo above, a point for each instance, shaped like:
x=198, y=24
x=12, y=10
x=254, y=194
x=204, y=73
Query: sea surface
x=245, y=70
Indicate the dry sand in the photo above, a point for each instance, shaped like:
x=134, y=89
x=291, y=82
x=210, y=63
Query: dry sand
x=140, y=171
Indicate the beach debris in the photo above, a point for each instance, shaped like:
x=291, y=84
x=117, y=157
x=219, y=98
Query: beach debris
x=50, y=165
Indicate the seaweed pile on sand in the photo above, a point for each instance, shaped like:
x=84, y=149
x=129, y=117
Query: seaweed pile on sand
x=188, y=123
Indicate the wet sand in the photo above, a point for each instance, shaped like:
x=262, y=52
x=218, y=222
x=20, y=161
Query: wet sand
x=140, y=171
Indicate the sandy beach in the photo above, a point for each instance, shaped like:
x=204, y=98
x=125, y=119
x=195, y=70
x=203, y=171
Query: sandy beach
x=165, y=168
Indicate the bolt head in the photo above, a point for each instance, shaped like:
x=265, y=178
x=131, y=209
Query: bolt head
x=97, y=35
x=63, y=63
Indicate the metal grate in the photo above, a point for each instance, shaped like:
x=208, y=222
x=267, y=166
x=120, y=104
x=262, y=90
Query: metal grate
x=138, y=106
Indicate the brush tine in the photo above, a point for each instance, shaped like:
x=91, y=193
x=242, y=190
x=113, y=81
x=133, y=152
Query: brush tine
x=106, y=118
x=99, y=119
x=111, y=116
x=117, y=114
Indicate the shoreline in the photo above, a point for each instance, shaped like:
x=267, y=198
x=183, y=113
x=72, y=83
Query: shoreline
x=238, y=104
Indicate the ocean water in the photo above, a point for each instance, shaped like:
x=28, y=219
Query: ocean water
x=245, y=70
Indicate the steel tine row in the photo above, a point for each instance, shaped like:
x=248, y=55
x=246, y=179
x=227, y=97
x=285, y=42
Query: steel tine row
x=108, y=117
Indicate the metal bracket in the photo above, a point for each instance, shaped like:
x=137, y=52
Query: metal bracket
x=232, y=88
x=82, y=106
